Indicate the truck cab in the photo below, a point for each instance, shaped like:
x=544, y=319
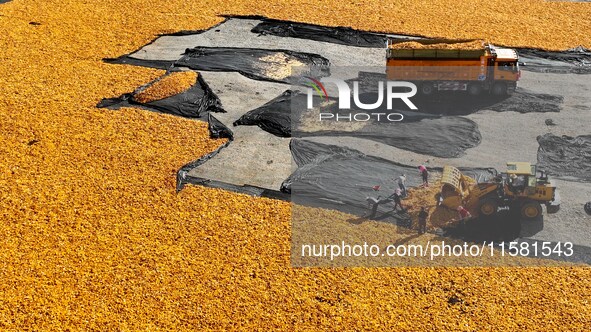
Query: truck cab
x=505, y=69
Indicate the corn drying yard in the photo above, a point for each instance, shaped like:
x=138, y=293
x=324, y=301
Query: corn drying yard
x=95, y=235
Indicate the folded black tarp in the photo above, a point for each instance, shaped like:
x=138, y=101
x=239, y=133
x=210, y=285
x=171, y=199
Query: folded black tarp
x=195, y=102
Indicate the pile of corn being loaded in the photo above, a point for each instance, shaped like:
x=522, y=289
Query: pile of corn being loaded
x=94, y=236
x=427, y=197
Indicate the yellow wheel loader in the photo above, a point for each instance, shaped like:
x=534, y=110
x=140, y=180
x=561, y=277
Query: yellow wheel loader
x=519, y=189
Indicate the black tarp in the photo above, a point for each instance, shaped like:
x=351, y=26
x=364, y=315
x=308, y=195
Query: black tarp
x=565, y=156
x=339, y=35
x=335, y=35
x=341, y=178
x=258, y=64
x=423, y=133
x=128, y=60
x=216, y=130
x=273, y=117
x=195, y=102
x=527, y=101
x=573, y=61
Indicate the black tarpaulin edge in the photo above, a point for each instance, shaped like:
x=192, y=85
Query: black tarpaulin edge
x=270, y=19
x=210, y=102
x=350, y=152
x=185, y=61
x=216, y=130
x=244, y=189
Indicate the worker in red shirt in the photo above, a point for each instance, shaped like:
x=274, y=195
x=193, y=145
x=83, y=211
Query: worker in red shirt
x=463, y=213
x=425, y=175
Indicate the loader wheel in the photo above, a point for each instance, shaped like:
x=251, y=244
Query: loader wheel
x=427, y=89
x=499, y=89
x=588, y=208
x=488, y=207
x=531, y=210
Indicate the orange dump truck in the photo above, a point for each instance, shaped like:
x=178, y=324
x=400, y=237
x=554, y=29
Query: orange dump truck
x=476, y=67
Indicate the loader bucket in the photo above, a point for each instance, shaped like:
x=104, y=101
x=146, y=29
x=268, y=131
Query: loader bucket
x=451, y=187
x=452, y=176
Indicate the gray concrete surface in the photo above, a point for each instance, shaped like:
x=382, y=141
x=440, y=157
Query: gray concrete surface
x=261, y=159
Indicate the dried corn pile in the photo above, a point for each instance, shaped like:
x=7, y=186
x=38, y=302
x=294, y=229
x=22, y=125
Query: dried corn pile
x=278, y=66
x=321, y=226
x=439, y=216
x=169, y=85
x=471, y=45
x=94, y=236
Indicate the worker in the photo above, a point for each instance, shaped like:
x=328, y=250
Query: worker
x=402, y=184
x=425, y=175
x=519, y=183
x=397, y=196
x=463, y=213
x=423, y=215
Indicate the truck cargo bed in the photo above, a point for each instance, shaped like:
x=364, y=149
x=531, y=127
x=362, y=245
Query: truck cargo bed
x=433, y=54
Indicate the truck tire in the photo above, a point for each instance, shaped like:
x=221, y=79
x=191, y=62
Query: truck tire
x=499, y=89
x=531, y=210
x=588, y=208
x=488, y=207
x=474, y=89
x=427, y=89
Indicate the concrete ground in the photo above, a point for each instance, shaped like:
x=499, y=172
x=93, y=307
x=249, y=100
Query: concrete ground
x=261, y=159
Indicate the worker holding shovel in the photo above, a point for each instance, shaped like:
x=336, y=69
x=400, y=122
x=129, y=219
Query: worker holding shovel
x=402, y=184
x=397, y=197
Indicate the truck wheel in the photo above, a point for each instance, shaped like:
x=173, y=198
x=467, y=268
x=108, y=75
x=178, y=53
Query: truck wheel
x=588, y=208
x=474, y=89
x=427, y=89
x=488, y=207
x=531, y=210
x=499, y=89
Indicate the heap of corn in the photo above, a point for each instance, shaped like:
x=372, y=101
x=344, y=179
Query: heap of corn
x=428, y=197
x=167, y=86
x=278, y=66
x=94, y=236
x=471, y=45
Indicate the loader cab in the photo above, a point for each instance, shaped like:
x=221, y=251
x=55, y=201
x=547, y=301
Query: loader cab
x=521, y=178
